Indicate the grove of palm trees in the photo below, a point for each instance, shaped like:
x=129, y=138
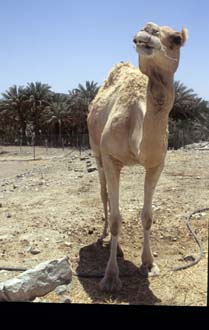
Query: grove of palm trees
x=37, y=110
x=57, y=118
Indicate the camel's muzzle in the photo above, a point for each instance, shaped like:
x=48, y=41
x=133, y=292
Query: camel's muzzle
x=146, y=43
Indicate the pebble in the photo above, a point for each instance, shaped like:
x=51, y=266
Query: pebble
x=65, y=300
x=61, y=289
x=1, y=205
x=91, y=169
x=155, y=254
x=156, y=208
x=33, y=251
x=8, y=215
x=38, y=300
x=189, y=258
x=69, y=244
x=88, y=165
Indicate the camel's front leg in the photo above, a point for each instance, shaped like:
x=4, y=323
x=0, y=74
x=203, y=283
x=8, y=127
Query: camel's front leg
x=104, y=197
x=111, y=281
x=151, y=179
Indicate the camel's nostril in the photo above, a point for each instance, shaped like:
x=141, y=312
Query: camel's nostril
x=134, y=40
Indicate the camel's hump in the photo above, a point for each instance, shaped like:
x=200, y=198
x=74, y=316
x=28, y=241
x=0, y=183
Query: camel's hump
x=124, y=70
x=125, y=83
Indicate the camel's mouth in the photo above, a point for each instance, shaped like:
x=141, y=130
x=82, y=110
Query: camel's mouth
x=147, y=47
x=147, y=40
x=143, y=47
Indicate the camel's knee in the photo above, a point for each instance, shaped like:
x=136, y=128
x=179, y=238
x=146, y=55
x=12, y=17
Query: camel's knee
x=146, y=218
x=115, y=223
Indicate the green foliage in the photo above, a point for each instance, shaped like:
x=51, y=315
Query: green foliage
x=36, y=108
x=189, y=118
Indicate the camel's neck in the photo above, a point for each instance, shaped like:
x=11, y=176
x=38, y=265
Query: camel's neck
x=160, y=98
x=160, y=94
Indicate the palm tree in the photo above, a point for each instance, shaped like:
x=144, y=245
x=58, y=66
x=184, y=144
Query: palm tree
x=57, y=115
x=189, y=117
x=39, y=96
x=88, y=92
x=79, y=99
x=78, y=108
x=14, y=108
x=186, y=102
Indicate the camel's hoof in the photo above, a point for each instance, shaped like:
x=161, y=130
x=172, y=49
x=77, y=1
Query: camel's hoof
x=149, y=271
x=110, y=283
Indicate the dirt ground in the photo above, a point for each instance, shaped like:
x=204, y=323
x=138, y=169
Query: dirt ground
x=51, y=205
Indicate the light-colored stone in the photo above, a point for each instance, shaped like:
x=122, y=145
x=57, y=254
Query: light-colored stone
x=61, y=289
x=36, y=282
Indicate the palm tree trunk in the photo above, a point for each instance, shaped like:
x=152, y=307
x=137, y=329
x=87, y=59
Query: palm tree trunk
x=60, y=131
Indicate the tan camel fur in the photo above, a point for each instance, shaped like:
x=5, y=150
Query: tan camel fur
x=128, y=125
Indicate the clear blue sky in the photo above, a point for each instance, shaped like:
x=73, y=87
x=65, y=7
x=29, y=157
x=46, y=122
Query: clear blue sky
x=64, y=43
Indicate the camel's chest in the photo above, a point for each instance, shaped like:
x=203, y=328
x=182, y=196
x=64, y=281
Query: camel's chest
x=153, y=150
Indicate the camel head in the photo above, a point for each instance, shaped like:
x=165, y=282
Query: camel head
x=159, y=48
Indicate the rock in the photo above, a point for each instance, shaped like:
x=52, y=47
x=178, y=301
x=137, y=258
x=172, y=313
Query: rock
x=189, y=258
x=91, y=169
x=8, y=215
x=36, y=282
x=68, y=244
x=88, y=165
x=155, y=254
x=33, y=250
x=1, y=205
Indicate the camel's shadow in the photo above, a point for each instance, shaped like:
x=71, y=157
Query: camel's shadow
x=135, y=289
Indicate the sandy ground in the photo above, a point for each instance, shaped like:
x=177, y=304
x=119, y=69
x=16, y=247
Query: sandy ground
x=52, y=205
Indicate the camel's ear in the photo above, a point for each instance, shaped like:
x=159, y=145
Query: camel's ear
x=184, y=35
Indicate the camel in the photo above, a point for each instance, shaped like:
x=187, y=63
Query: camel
x=128, y=125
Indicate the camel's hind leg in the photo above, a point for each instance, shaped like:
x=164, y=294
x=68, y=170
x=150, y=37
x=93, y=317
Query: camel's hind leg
x=104, y=196
x=105, y=201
